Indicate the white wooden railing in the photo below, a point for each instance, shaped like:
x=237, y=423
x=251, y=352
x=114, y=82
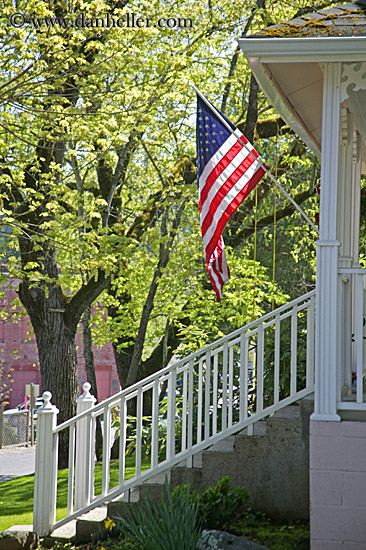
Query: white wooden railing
x=177, y=412
x=352, y=339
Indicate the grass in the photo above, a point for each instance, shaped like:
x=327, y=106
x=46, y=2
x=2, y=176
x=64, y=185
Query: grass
x=16, y=496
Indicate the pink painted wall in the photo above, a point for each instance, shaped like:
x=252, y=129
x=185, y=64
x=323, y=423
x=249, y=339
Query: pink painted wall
x=338, y=485
x=25, y=362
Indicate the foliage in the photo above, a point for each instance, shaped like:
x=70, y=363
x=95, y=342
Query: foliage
x=285, y=359
x=5, y=383
x=222, y=504
x=97, y=179
x=172, y=523
x=272, y=534
x=218, y=506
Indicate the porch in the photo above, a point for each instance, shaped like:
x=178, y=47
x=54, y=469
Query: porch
x=317, y=83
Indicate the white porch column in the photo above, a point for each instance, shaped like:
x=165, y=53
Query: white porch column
x=327, y=308
x=345, y=233
x=356, y=195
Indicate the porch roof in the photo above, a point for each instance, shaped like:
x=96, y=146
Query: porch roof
x=287, y=61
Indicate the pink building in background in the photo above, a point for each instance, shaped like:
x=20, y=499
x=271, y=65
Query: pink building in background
x=18, y=351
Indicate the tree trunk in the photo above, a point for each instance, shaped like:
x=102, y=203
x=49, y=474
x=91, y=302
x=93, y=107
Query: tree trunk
x=57, y=353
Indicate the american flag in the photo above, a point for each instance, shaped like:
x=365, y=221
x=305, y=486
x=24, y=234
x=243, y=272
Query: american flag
x=228, y=168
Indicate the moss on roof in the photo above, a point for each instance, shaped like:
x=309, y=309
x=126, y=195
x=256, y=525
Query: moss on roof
x=344, y=20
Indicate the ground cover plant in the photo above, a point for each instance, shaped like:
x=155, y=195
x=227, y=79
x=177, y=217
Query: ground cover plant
x=273, y=534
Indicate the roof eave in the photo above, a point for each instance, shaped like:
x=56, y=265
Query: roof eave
x=297, y=50
x=279, y=101
x=261, y=52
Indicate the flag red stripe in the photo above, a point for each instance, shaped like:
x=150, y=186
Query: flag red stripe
x=217, y=171
x=224, y=189
x=231, y=208
x=217, y=290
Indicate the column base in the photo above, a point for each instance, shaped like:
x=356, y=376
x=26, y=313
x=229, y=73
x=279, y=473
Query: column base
x=334, y=417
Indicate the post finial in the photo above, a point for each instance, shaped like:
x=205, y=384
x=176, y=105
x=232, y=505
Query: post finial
x=86, y=388
x=46, y=396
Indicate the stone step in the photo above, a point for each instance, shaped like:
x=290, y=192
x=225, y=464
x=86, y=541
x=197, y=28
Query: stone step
x=117, y=508
x=195, y=459
x=225, y=445
x=90, y=524
x=66, y=534
x=258, y=429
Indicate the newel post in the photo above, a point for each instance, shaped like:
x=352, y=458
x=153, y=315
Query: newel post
x=84, y=456
x=45, y=481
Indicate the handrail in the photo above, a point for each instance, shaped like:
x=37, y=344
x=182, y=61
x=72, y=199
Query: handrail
x=186, y=359
x=213, y=392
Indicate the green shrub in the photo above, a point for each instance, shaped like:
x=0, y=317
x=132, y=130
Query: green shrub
x=171, y=524
x=222, y=504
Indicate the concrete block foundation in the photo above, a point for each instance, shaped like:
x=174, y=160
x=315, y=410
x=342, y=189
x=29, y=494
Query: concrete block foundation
x=338, y=485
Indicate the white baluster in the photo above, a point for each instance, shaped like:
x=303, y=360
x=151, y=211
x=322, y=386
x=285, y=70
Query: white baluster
x=359, y=337
x=185, y=409
x=260, y=369
x=231, y=385
x=139, y=414
x=224, y=387
x=107, y=428
x=215, y=396
x=190, y=413
x=155, y=425
x=293, y=380
x=277, y=344
x=122, y=441
x=207, y=393
x=170, y=445
x=310, y=341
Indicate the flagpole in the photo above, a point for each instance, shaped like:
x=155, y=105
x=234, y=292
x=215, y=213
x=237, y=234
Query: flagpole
x=228, y=127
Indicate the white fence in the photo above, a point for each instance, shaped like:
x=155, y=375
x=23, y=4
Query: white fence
x=352, y=339
x=177, y=412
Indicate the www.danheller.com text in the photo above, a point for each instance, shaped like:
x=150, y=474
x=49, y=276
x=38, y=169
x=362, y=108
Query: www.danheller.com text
x=129, y=20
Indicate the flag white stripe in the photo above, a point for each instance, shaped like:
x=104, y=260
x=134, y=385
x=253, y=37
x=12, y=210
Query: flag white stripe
x=228, y=199
x=225, y=271
x=216, y=158
x=220, y=181
x=215, y=280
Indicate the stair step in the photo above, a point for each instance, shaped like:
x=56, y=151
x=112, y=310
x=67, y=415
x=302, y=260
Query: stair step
x=153, y=490
x=158, y=478
x=224, y=446
x=64, y=534
x=256, y=429
x=291, y=411
x=196, y=460
x=90, y=524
